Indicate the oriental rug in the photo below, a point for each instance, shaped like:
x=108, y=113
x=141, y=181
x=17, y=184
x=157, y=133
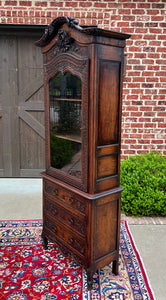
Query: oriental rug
x=29, y=272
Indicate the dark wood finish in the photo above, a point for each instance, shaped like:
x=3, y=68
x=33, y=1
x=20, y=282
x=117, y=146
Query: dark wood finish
x=108, y=102
x=82, y=215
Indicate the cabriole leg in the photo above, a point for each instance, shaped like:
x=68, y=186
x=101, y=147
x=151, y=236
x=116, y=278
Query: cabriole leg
x=45, y=242
x=90, y=280
x=115, y=267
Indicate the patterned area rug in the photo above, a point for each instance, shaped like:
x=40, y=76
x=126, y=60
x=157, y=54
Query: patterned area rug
x=29, y=272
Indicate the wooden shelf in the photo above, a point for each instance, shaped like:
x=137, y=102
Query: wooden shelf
x=65, y=99
x=70, y=137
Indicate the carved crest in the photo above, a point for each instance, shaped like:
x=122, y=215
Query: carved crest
x=64, y=43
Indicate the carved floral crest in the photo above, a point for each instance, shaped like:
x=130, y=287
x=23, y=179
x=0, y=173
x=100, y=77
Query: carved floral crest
x=64, y=43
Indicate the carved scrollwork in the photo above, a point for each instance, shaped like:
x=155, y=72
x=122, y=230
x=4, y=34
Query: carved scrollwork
x=71, y=240
x=51, y=208
x=81, y=226
x=52, y=227
x=66, y=252
x=76, y=223
x=76, y=244
x=48, y=188
x=63, y=216
x=52, y=29
x=64, y=43
x=80, y=206
x=79, y=246
x=68, y=62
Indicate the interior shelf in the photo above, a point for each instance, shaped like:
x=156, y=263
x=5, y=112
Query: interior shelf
x=66, y=99
x=70, y=137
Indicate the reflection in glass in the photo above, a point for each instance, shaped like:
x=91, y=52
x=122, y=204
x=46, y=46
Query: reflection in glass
x=65, y=86
x=65, y=123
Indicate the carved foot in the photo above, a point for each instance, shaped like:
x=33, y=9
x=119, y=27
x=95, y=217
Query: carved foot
x=45, y=242
x=90, y=280
x=115, y=267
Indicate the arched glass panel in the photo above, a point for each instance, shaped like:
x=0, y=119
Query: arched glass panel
x=65, y=123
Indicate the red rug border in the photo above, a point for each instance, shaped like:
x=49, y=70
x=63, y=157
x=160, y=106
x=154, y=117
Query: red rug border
x=140, y=261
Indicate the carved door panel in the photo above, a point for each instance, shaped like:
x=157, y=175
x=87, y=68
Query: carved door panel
x=21, y=107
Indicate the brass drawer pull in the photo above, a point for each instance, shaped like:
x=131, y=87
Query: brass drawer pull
x=78, y=204
x=70, y=240
x=82, y=250
x=55, y=192
x=54, y=229
x=71, y=221
x=54, y=211
x=71, y=200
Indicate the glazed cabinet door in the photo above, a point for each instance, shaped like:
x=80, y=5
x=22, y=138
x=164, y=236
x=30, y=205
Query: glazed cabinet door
x=67, y=119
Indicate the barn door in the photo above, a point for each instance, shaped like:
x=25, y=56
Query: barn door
x=21, y=107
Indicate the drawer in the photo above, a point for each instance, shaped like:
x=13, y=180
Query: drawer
x=63, y=234
x=71, y=199
x=65, y=216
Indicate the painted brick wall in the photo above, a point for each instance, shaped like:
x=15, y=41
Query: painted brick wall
x=144, y=126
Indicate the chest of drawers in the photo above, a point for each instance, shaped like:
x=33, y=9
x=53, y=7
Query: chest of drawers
x=81, y=224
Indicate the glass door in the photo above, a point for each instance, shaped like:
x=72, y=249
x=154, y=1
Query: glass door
x=65, y=100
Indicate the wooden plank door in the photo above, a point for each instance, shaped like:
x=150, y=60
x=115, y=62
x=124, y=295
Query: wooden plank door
x=21, y=107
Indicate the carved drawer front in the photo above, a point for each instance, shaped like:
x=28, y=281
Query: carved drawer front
x=63, y=215
x=68, y=237
x=73, y=200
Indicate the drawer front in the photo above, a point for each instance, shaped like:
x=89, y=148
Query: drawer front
x=68, y=237
x=66, y=217
x=71, y=199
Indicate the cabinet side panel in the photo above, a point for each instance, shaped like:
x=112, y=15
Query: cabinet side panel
x=107, y=166
x=109, y=72
x=106, y=225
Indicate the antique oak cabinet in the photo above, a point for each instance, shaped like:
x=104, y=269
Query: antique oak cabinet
x=83, y=71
